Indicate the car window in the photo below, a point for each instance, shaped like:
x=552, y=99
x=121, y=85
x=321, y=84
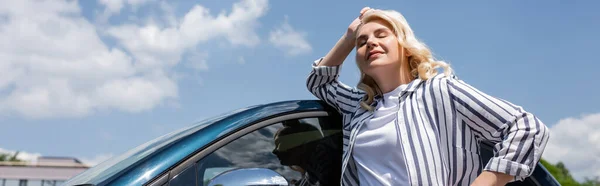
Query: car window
x=186, y=178
x=113, y=166
x=301, y=150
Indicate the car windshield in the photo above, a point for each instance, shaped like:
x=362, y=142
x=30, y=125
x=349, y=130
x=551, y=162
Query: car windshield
x=114, y=165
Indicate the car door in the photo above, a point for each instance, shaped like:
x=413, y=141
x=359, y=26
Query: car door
x=301, y=147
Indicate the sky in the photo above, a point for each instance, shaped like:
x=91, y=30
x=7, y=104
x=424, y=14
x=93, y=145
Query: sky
x=92, y=79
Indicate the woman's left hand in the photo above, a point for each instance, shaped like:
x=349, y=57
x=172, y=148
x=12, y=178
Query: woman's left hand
x=488, y=178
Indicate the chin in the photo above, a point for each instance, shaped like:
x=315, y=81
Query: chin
x=379, y=64
x=381, y=61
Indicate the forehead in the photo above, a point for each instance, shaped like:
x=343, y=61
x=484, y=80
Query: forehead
x=374, y=25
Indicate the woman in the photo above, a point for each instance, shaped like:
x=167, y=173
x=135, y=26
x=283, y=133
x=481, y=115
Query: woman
x=406, y=124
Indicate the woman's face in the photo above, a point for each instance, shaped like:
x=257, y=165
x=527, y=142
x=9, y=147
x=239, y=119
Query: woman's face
x=377, y=48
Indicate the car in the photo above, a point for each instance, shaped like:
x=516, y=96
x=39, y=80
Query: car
x=249, y=146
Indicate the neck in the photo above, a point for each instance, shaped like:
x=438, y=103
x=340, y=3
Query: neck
x=392, y=80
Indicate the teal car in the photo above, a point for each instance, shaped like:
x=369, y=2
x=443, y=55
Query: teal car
x=258, y=145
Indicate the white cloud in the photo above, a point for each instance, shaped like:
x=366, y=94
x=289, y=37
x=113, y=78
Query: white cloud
x=136, y=3
x=112, y=6
x=197, y=60
x=289, y=40
x=576, y=143
x=53, y=62
x=169, y=13
x=156, y=46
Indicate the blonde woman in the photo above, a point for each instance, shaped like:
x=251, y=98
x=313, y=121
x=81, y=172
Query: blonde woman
x=408, y=124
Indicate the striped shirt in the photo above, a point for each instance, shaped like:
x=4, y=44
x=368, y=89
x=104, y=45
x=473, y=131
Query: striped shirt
x=441, y=122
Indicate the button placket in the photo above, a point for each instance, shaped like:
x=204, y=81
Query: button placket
x=400, y=119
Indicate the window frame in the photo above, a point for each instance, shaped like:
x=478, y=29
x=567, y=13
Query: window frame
x=218, y=143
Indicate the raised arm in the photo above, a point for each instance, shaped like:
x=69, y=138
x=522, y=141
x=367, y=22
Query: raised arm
x=323, y=79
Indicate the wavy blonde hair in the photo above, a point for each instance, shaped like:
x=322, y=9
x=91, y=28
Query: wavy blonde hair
x=421, y=62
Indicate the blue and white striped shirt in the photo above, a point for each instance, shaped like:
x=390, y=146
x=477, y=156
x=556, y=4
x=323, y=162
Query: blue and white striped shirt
x=441, y=122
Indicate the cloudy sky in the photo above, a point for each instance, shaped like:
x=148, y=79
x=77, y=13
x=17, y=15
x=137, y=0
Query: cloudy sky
x=91, y=79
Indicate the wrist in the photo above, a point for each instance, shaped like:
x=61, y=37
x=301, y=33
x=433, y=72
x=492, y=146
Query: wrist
x=348, y=34
x=492, y=178
x=348, y=39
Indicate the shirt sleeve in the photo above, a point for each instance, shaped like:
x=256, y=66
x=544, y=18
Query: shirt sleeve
x=519, y=136
x=323, y=83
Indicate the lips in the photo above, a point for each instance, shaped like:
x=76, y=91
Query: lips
x=373, y=53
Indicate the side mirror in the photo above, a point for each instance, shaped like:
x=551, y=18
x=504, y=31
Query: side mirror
x=249, y=176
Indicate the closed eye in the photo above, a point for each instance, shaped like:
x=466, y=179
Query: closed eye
x=379, y=33
x=382, y=34
x=361, y=41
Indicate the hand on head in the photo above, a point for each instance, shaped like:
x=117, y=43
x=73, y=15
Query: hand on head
x=364, y=10
x=357, y=21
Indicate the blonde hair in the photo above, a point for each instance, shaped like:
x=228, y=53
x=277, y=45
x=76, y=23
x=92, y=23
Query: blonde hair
x=421, y=62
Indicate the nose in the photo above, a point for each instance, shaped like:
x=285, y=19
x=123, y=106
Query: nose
x=371, y=43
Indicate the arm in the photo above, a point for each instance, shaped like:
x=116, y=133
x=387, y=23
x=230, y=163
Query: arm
x=339, y=52
x=492, y=178
x=520, y=137
x=323, y=79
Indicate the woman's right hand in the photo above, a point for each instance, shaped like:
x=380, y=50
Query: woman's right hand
x=344, y=46
x=351, y=33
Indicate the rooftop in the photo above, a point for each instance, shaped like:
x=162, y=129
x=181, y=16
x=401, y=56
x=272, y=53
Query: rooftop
x=43, y=168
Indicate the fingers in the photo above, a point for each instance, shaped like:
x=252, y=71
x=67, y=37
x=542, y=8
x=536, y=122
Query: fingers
x=365, y=9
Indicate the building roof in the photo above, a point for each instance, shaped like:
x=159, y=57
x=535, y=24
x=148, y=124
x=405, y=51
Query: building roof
x=44, y=168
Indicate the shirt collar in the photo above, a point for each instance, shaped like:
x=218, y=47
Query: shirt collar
x=412, y=86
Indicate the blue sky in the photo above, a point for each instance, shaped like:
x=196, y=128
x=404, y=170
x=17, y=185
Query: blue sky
x=92, y=79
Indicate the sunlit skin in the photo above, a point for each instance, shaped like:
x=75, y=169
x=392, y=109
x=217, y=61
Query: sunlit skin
x=380, y=56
